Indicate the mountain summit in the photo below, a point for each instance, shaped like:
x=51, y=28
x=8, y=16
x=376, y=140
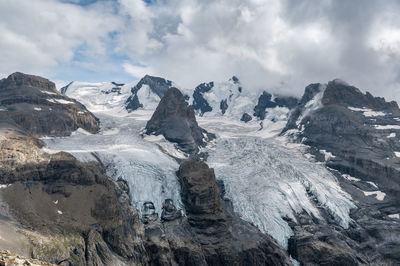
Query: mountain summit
x=175, y=120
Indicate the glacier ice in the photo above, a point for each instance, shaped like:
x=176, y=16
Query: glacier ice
x=268, y=181
x=119, y=145
x=267, y=178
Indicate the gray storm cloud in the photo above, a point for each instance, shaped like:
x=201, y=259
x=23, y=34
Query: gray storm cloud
x=276, y=45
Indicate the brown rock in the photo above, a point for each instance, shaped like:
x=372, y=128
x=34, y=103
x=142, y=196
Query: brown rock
x=34, y=105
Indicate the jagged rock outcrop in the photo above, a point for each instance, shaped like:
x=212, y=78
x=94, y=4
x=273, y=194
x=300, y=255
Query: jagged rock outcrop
x=246, y=118
x=199, y=102
x=224, y=238
x=157, y=85
x=169, y=211
x=266, y=101
x=175, y=120
x=357, y=136
x=35, y=106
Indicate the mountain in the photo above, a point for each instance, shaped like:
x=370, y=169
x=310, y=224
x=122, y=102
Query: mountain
x=175, y=120
x=34, y=105
x=234, y=100
x=277, y=180
x=356, y=136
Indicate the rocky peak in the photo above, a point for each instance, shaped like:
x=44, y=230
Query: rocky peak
x=235, y=80
x=266, y=100
x=64, y=89
x=340, y=93
x=175, y=120
x=309, y=93
x=157, y=85
x=20, y=80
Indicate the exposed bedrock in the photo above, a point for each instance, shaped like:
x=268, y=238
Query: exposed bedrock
x=34, y=105
x=175, y=120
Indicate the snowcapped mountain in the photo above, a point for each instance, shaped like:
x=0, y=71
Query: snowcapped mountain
x=230, y=99
x=227, y=101
x=320, y=175
x=234, y=100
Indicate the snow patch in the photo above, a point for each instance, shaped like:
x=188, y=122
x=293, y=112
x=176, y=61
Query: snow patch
x=59, y=212
x=81, y=131
x=62, y=101
x=37, y=109
x=327, y=155
x=383, y=127
x=166, y=146
x=367, y=112
x=394, y=216
x=148, y=98
x=372, y=184
x=50, y=93
x=314, y=104
x=392, y=135
x=379, y=195
x=397, y=154
x=4, y=185
x=350, y=178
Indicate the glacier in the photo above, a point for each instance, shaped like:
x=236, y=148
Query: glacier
x=267, y=178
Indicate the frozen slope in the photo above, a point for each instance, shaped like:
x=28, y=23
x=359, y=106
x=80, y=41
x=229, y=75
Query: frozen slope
x=268, y=180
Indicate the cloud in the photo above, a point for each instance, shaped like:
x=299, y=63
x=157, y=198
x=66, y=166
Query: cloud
x=37, y=36
x=274, y=45
x=137, y=71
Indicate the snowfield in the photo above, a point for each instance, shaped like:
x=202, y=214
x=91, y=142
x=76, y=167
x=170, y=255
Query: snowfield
x=266, y=177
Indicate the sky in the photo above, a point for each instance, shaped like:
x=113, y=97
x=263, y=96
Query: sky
x=280, y=46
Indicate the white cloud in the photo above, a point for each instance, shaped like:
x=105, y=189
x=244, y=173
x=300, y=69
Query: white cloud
x=38, y=35
x=275, y=45
x=137, y=71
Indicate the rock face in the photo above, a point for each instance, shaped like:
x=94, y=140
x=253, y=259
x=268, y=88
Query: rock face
x=224, y=238
x=265, y=101
x=211, y=233
x=157, y=85
x=175, y=120
x=357, y=136
x=199, y=102
x=34, y=105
